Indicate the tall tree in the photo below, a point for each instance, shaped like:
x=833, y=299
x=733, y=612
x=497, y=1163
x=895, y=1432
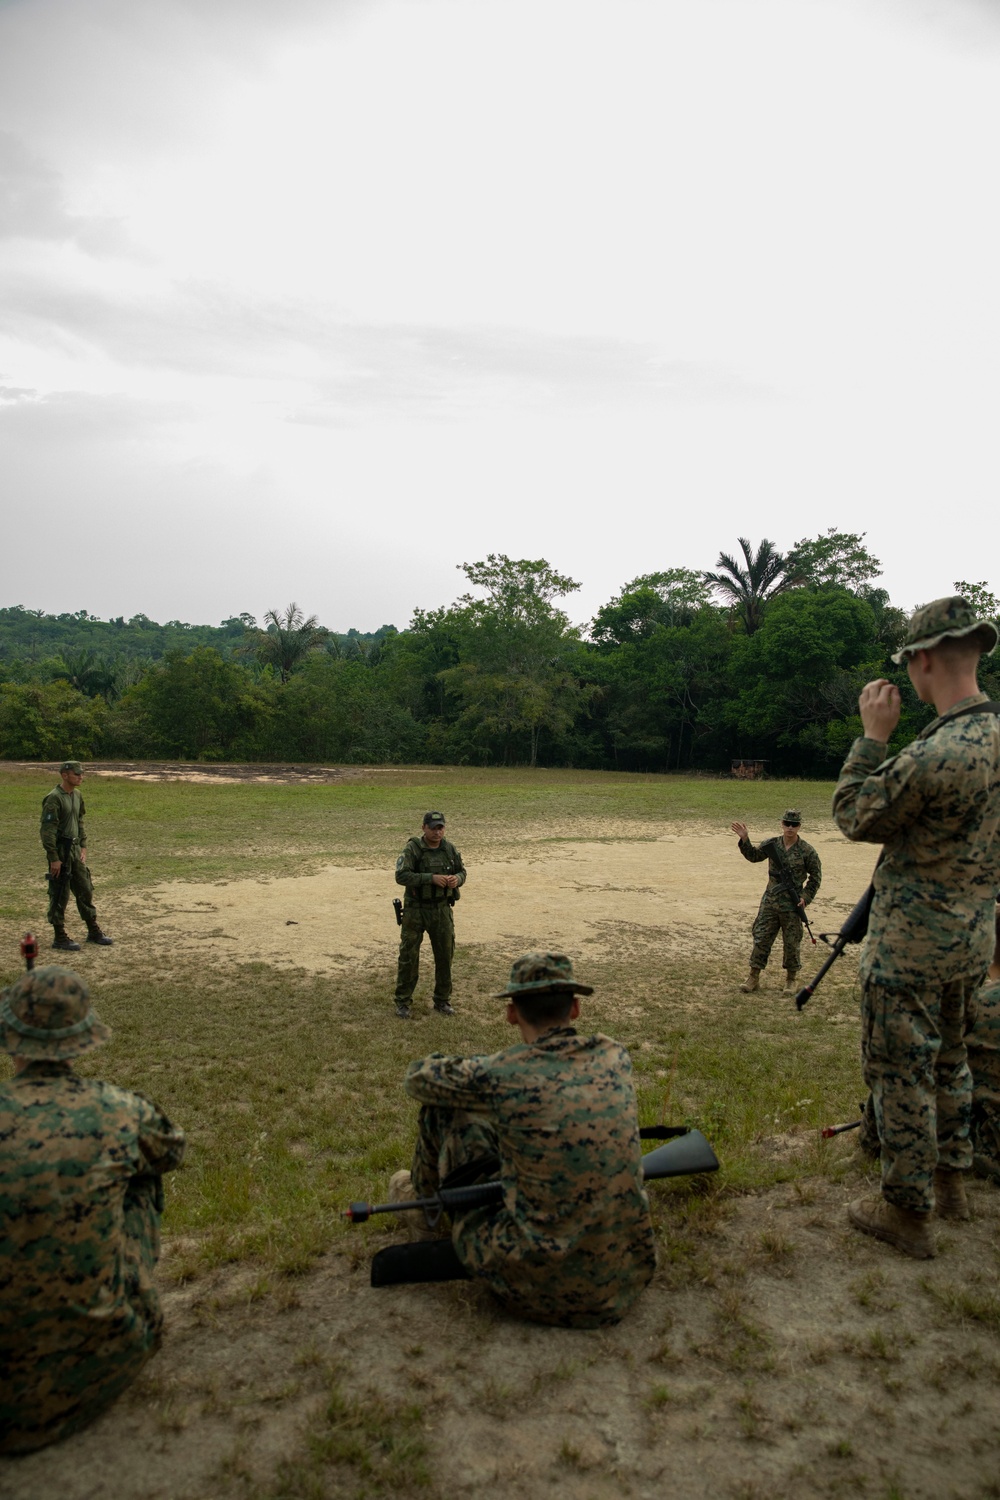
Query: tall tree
x=980, y=596
x=670, y=598
x=835, y=559
x=746, y=589
x=287, y=639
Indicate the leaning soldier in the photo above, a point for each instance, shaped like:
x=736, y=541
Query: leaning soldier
x=81, y=1192
x=794, y=876
x=935, y=809
x=431, y=870
x=65, y=842
x=555, y=1115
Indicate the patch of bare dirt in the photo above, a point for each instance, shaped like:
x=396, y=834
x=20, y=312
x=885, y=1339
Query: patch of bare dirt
x=214, y=774
x=581, y=896
x=793, y=1358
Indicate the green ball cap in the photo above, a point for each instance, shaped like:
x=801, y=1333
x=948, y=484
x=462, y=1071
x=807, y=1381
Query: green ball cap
x=536, y=973
x=71, y=765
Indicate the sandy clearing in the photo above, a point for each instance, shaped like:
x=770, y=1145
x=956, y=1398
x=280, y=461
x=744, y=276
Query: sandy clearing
x=581, y=897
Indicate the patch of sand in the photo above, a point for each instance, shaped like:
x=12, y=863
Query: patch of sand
x=581, y=897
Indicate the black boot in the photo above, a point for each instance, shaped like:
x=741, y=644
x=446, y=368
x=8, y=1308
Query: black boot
x=64, y=942
x=95, y=935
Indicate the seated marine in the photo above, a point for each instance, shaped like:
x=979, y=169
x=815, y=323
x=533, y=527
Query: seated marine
x=555, y=1117
x=81, y=1192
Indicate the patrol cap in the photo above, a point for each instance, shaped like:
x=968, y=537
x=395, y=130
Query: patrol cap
x=791, y=815
x=47, y=1014
x=542, y=973
x=942, y=619
x=71, y=765
x=434, y=820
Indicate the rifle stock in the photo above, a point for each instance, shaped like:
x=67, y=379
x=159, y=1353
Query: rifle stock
x=853, y=930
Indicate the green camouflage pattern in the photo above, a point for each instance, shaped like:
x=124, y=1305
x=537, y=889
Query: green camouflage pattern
x=572, y=1243
x=777, y=911
x=542, y=973
x=62, y=822
x=983, y=1044
x=47, y=1013
x=913, y=1058
x=419, y=863
x=80, y=1198
x=935, y=808
x=436, y=919
x=952, y=617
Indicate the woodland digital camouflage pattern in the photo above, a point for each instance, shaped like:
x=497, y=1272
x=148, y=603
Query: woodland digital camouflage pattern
x=935, y=807
x=63, y=836
x=777, y=910
x=426, y=908
x=573, y=1243
x=983, y=1044
x=80, y=1193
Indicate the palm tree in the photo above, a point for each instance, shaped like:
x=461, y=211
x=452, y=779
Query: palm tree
x=87, y=672
x=287, y=639
x=747, y=589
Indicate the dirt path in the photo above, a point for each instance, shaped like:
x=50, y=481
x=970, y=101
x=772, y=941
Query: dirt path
x=575, y=896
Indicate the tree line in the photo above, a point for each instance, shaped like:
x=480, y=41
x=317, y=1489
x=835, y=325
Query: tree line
x=761, y=658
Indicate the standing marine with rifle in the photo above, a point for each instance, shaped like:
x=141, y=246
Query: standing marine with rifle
x=430, y=869
x=65, y=842
x=794, y=876
x=935, y=809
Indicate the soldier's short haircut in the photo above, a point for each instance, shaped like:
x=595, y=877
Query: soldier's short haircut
x=544, y=1008
x=960, y=650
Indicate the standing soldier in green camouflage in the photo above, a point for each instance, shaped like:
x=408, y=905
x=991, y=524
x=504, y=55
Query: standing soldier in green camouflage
x=431, y=869
x=65, y=842
x=81, y=1165
x=792, y=864
x=572, y=1243
x=935, y=808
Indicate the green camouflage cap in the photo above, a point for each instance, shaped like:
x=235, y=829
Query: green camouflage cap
x=434, y=820
x=539, y=973
x=47, y=1014
x=942, y=618
x=71, y=765
x=791, y=815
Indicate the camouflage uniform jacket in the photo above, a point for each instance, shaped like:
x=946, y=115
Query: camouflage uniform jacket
x=62, y=820
x=69, y=1149
x=802, y=860
x=573, y=1243
x=935, y=807
x=419, y=863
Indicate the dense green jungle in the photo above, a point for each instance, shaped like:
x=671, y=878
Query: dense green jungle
x=761, y=660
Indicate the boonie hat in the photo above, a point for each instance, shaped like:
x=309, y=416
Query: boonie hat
x=791, y=815
x=534, y=973
x=47, y=1014
x=433, y=820
x=953, y=617
x=71, y=765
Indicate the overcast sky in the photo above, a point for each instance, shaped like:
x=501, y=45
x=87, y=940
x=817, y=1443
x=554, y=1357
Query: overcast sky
x=315, y=300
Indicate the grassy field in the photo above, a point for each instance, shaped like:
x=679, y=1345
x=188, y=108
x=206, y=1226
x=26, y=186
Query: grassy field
x=288, y=1084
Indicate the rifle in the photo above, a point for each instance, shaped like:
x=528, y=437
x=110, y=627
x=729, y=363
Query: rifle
x=397, y=907
x=685, y=1154
x=788, y=881
x=852, y=931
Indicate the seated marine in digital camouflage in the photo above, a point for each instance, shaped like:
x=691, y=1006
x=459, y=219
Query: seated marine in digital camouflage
x=81, y=1166
x=555, y=1117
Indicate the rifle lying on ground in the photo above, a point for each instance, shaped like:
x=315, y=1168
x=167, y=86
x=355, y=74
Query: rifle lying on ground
x=685, y=1154
x=852, y=931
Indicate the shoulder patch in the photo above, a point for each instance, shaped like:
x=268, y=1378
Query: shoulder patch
x=399, y=863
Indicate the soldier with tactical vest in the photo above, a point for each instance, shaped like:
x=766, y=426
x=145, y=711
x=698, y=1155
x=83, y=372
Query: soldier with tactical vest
x=65, y=843
x=430, y=869
x=794, y=876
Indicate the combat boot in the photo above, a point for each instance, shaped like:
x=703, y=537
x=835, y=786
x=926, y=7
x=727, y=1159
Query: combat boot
x=401, y=1190
x=95, y=935
x=445, y=1009
x=950, y=1201
x=64, y=942
x=902, y=1227
x=403, y=1010
x=791, y=976
x=751, y=983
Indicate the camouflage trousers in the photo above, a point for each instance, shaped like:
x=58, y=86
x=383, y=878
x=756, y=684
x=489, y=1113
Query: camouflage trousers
x=983, y=1044
x=453, y=1146
x=435, y=918
x=63, y=1367
x=75, y=878
x=914, y=1062
x=774, y=917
